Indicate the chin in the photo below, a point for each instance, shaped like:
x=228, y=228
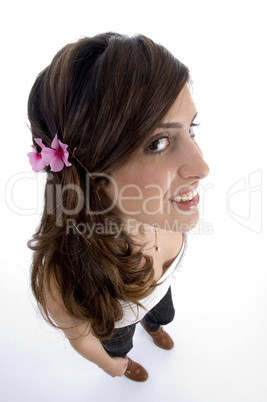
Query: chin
x=188, y=223
x=187, y=227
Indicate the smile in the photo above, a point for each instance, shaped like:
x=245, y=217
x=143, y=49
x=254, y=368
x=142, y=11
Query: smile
x=185, y=197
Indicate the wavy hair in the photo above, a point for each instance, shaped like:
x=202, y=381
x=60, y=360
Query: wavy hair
x=102, y=96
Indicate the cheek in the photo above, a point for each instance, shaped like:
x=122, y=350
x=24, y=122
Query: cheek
x=138, y=180
x=139, y=194
x=141, y=189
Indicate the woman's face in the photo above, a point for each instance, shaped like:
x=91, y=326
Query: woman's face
x=149, y=186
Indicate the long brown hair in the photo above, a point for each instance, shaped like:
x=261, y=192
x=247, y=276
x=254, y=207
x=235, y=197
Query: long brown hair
x=102, y=96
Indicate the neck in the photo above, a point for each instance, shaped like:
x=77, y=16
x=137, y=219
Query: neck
x=137, y=228
x=145, y=233
x=153, y=237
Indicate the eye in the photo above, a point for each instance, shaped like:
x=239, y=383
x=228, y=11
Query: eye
x=191, y=129
x=159, y=145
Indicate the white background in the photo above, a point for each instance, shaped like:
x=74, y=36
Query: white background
x=220, y=328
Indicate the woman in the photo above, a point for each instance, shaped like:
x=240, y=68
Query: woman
x=112, y=122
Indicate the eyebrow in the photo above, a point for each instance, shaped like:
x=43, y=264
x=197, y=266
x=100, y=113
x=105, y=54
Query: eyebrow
x=170, y=125
x=174, y=125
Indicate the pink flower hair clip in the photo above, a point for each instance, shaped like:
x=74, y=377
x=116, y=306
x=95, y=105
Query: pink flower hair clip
x=36, y=158
x=56, y=156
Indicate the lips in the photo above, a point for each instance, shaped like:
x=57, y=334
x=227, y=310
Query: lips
x=185, y=196
x=187, y=200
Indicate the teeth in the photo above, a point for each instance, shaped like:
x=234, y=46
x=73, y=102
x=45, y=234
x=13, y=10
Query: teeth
x=190, y=196
x=187, y=197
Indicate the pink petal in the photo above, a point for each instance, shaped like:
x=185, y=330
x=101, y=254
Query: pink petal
x=31, y=155
x=55, y=144
x=40, y=165
x=62, y=145
x=36, y=162
x=65, y=159
x=56, y=164
x=65, y=153
x=48, y=155
x=39, y=142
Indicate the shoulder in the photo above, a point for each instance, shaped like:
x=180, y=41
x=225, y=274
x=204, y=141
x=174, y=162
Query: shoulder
x=60, y=317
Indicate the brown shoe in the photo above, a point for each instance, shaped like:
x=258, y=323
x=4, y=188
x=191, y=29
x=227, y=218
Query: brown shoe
x=135, y=371
x=160, y=337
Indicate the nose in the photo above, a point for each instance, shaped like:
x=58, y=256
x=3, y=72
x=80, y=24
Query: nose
x=193, y=164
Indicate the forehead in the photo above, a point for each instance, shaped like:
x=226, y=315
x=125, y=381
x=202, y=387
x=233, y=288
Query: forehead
x=182, y=109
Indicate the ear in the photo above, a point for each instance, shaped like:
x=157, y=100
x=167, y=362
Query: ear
x=102, y=183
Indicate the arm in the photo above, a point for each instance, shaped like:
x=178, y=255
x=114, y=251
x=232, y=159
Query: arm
x=91, y=349
x=83, y=341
